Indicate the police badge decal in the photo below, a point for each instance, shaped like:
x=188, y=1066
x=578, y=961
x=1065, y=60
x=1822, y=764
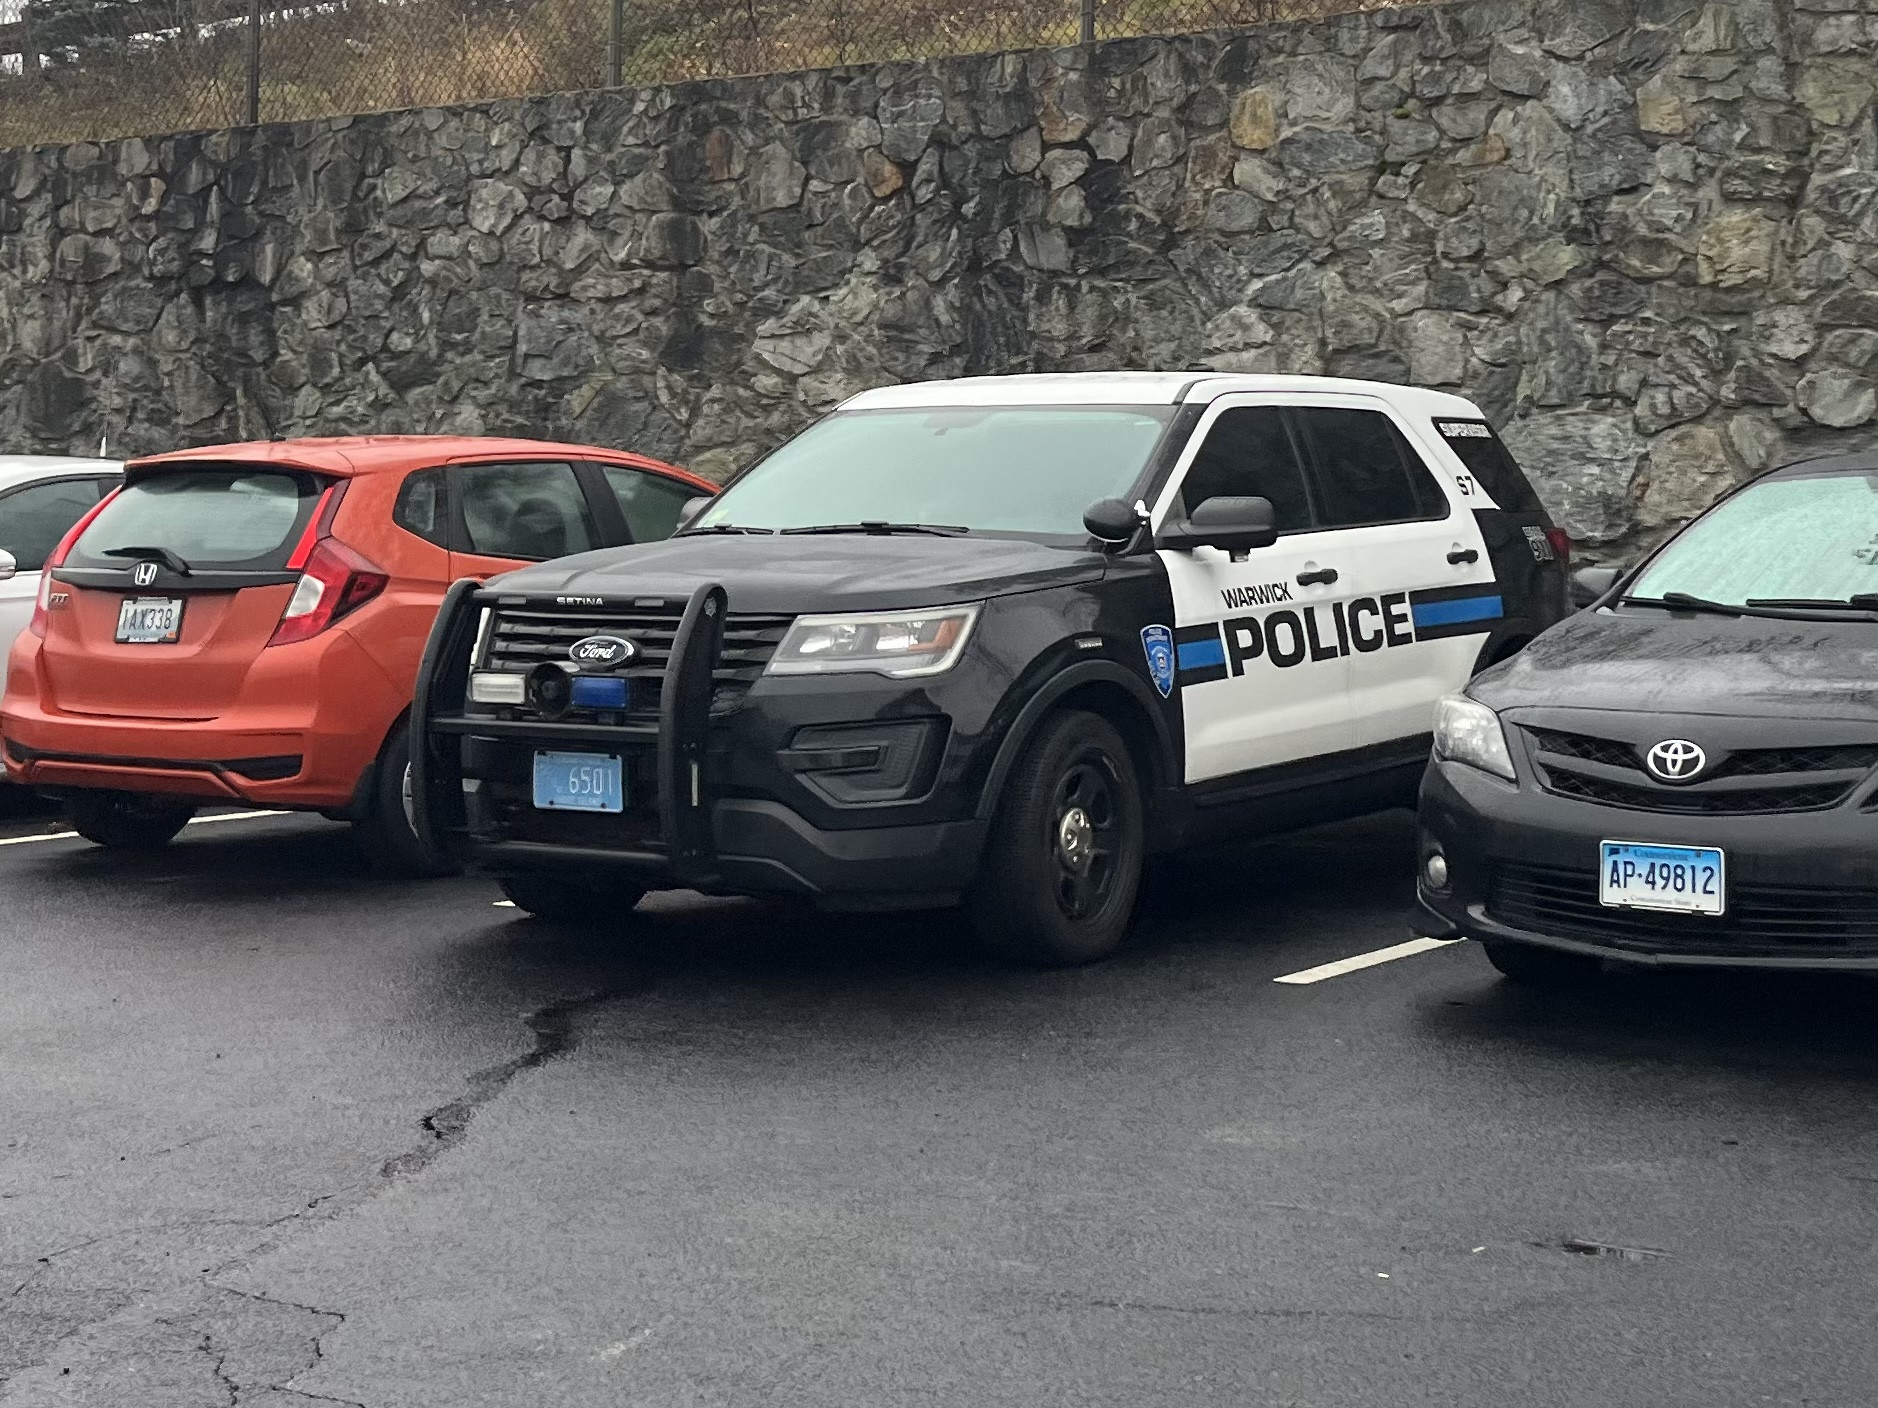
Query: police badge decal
x=1157, y=643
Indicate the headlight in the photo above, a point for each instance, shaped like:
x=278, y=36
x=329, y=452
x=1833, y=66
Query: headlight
x=898, y=644
x=1466, y=732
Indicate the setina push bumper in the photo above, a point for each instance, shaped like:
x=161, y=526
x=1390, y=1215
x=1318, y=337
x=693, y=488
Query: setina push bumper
x=639, y=758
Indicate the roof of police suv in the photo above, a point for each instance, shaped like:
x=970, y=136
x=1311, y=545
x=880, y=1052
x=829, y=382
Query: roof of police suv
x=1143, y=389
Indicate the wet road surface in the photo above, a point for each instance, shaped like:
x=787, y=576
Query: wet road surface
x=275, y=1133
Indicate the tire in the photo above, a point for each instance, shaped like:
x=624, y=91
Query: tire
x=125, y=821
x=1537, y=967
x=570, y=900
x=385, y=833
x=1063, y=863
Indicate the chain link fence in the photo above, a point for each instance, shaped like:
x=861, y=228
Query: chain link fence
x=75, y=70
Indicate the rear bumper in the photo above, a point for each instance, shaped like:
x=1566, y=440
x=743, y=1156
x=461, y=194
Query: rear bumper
x=303, y=747
x=1802, y=887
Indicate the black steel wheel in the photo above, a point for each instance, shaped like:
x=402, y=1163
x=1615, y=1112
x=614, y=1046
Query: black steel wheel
x=1062, y=866
x=387, y=833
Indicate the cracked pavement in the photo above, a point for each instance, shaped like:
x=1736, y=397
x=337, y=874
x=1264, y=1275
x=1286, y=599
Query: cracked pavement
x=274, y=1133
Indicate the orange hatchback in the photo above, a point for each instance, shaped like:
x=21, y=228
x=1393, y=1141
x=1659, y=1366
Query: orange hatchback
x=243, y=623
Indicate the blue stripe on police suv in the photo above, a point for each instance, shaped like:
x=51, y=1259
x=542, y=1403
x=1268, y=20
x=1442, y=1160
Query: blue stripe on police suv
x=1453, y=613
x=1196, y=654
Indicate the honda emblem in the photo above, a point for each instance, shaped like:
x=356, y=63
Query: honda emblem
x=144, y=573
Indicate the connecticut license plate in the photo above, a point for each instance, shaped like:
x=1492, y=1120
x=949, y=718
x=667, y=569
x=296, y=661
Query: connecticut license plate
x=149, y=620
x=1682, y=879
x=579, y=782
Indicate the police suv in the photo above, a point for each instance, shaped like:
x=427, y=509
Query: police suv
x=993, y=640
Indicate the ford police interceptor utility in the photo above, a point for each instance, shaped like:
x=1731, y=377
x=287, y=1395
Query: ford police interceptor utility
x=993, y=640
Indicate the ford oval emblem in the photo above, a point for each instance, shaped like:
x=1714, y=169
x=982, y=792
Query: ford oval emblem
x=602, y=652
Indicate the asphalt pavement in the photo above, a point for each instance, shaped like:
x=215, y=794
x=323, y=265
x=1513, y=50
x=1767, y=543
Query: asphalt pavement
x=277, y=1133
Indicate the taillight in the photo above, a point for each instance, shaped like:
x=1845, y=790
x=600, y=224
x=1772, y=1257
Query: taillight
x=42, y=602
x=334, y=582
x=1561, y=542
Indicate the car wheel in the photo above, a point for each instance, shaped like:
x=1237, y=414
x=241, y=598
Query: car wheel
x=124, y=821
x=569, y=900
x=386, y=832
x=1540, y=967
x=1062, y=866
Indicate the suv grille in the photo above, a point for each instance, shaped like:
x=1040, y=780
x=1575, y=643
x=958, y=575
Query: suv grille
x=1611, y=772
x=1761, y=919
x=521, y=637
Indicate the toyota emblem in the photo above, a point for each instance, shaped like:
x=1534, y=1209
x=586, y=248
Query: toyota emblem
x=1675, y=760
x=144, y=573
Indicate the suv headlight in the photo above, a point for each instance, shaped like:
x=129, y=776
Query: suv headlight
x=898, y=644
x=1467, y=732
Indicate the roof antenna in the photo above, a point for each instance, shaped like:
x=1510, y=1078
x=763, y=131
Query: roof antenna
x=104, y=446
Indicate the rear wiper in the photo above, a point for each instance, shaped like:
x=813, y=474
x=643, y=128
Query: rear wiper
x=1858, y=601
x=875, y=526
x=162, y=555
x=720, y=528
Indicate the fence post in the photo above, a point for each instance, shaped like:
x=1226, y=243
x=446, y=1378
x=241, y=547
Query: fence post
x=615, y=45
x=254, y=63
x=1088, y=21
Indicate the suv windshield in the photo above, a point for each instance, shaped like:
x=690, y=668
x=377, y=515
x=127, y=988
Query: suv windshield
x=1811, y=538
x=222, y=517
x=1004, y=469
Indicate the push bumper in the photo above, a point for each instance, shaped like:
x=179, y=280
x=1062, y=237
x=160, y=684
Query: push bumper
x=1801, y=888
x=679, y=829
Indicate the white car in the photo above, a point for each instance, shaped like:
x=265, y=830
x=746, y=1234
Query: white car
x=41, y=497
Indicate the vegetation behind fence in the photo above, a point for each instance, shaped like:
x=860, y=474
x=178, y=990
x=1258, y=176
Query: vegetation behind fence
x=75, y=70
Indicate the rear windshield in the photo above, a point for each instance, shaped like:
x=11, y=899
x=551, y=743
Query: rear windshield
x=1491, y=463
x=221, y=517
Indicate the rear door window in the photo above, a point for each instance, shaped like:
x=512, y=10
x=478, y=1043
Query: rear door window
x=650, y=503
x=35, y=518
x=1248, y=453
x=231, y=518
x=526, y=510
x=1366, y=471
x=421, y=509
x=1490, y=462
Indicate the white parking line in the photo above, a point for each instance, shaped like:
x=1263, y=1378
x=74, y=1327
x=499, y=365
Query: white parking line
x=505, y=904
x=194, y=821
x=1366, y=960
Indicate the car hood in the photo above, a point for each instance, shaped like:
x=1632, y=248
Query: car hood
x=1649, y=661
x=832, y=572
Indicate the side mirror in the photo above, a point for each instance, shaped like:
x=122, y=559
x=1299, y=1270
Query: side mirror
x=9, y=565
x=1590, y=583
x=1110, y=521
x=692, y=508
x=1229, y=523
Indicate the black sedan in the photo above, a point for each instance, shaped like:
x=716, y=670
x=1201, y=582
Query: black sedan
x=1681, y=775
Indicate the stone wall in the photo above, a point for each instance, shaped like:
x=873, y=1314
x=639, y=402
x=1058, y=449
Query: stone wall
x=1642, y=233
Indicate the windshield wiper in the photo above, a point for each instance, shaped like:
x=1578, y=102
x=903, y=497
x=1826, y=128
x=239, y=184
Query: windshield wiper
x=876, y=526
x=720, y=528
x=1858, y=601
x=162, y=555
x=1771, y=610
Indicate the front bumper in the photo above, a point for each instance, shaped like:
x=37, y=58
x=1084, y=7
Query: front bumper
x=1802, y=887
x=756, y=802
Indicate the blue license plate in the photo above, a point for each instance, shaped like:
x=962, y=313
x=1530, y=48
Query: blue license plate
x=1678, y=879
x=579, y=782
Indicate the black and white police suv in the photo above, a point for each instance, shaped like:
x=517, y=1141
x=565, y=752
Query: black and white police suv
x=1686, y=774
x=993, y=640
